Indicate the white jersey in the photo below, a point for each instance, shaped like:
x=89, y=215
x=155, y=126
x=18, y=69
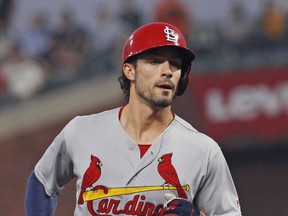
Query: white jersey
x=112, y=179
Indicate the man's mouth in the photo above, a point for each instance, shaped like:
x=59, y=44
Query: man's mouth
x=165, y=86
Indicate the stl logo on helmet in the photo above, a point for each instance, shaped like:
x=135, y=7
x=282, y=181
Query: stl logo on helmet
x=171, y=35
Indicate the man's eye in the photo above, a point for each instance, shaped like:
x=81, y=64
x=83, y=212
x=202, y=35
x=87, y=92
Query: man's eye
x=176, y=64
x=154, y=61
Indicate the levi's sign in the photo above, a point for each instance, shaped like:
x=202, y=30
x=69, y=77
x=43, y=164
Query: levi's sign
x=252, y=103
x=246, y=102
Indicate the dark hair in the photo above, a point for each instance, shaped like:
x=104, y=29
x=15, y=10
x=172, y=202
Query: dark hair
x=125, y=83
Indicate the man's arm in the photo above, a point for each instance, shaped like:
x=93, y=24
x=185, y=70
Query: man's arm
x=37, y=202
x=217, y=195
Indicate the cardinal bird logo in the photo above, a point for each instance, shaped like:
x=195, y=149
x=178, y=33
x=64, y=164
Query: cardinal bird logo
x=169, y=174
x=91, y=175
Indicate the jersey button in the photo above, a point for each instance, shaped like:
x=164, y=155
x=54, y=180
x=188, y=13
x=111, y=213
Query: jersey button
x=131, y=148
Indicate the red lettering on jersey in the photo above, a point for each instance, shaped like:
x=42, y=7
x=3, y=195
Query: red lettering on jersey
x=136, y=206
x=108, y=205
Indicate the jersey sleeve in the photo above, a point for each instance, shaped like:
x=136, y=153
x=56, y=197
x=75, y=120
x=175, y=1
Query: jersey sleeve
x=217, y=194
x=55, y=168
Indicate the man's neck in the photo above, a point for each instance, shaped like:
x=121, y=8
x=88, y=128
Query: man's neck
x=144, y=124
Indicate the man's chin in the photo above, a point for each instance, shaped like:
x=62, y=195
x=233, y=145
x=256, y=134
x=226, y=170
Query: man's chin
x=162, y=103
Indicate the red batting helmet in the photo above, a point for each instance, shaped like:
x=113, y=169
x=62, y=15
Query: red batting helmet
x=160, y=34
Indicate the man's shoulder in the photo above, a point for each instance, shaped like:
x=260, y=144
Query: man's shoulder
x=91, y=120
x=184, y=124
x=187, y=131
x=111, y=113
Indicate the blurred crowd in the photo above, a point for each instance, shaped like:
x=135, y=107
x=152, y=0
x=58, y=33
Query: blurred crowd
x=46, y=56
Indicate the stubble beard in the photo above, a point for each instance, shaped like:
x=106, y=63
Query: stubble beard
x=151, y=96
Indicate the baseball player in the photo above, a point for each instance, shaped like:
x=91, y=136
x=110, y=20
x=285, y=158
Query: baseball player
x=141, y=158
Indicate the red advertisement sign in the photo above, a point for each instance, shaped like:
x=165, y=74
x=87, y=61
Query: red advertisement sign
x=243, y=104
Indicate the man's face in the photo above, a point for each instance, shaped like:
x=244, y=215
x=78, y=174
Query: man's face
x=157, y=76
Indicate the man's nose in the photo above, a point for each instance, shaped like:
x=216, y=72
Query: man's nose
x=167, y=69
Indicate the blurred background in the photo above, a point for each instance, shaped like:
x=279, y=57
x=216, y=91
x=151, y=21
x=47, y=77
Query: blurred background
x=59, y=59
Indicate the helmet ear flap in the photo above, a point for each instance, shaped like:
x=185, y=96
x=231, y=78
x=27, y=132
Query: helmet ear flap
x=185, y=74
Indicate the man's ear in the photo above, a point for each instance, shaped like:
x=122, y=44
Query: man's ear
x=129, y=71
